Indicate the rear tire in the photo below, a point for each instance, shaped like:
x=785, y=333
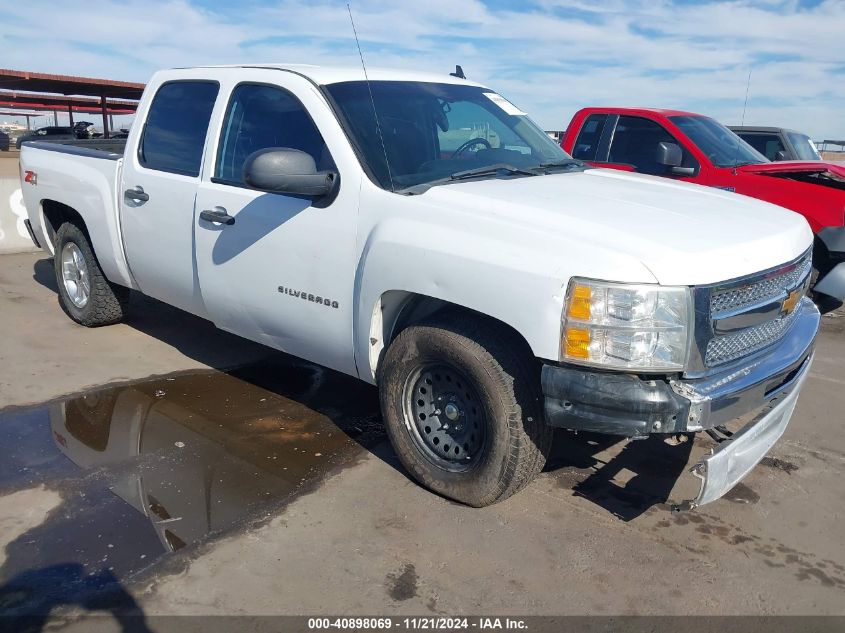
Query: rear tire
x=471, y=386
x=85, y=294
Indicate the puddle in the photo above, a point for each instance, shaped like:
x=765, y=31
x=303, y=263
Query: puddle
x=149, y=468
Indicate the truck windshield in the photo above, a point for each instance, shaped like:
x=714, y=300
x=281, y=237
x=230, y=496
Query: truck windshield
x=805, y=149
x=432, y=132
x=718, y=143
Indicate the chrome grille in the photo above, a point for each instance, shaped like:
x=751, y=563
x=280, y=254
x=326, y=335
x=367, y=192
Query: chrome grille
x=732, y=346
x=735, y=299
x=759, y=291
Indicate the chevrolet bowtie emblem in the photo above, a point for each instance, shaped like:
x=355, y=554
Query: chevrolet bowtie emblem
x=792, y=299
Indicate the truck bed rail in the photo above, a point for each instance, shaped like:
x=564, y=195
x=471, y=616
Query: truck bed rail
x=110, y=149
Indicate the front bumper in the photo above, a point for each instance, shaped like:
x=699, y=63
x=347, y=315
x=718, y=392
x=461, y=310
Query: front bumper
x=734, y=458
x=627, y=404
x=764, y=390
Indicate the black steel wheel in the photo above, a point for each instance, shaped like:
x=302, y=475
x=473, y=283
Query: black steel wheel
x=445, y=416
x=461, y=402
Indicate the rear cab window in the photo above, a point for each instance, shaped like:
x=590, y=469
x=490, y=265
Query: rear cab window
x=176, y=127
x=767, y=144
x=587, y=144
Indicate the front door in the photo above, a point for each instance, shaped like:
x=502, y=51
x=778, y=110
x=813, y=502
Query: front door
x=158, y=190
x=635, y=144
x=282, y=272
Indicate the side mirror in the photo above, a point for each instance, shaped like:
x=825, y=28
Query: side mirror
x=669, y=154
x=286, y=170
x=781, y=155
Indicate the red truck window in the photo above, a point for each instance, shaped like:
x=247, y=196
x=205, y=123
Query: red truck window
x=635, y=142
x=587, y=143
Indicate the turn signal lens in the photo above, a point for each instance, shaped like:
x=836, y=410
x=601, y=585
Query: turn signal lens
x=577, y=342
x=579, y=305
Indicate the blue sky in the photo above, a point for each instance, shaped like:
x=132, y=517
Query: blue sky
x=550, y=57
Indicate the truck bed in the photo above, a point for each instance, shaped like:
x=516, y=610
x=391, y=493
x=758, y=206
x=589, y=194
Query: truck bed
x=82, y=175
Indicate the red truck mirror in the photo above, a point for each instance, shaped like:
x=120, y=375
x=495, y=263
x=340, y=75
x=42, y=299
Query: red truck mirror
x=671, y=156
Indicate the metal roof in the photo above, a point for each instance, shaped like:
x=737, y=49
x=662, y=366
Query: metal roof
x=68, y=84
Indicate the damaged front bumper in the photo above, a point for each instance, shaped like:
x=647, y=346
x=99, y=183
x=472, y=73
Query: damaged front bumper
x=735, y=457
x=765, y=389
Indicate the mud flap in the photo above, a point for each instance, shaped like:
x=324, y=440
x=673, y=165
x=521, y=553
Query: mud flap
x=734, y=458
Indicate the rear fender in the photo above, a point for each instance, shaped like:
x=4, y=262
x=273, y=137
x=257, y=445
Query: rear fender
x=87, y=185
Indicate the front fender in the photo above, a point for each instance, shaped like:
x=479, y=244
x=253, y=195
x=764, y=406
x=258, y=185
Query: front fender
x=492, y=277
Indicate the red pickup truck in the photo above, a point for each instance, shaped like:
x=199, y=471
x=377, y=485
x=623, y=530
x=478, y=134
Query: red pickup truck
x=698, y=149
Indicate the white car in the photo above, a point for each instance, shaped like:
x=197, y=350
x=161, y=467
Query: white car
x=420, y=232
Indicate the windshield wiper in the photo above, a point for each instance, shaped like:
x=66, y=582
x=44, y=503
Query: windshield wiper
x=499, y=169
x=491, y=170
x=568, y=163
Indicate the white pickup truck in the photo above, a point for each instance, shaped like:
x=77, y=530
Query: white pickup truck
x=423, y=234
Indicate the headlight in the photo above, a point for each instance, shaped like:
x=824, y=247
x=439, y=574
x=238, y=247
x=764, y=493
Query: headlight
x=626, y=326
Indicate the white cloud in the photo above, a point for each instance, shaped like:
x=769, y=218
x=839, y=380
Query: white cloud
x=551, y=59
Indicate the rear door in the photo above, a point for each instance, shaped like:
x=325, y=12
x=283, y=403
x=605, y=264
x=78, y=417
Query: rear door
x=159, y=188
x=593, y=140
x=283, y=271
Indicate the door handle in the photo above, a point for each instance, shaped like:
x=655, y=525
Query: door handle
x=137, y=194
x=218, y=215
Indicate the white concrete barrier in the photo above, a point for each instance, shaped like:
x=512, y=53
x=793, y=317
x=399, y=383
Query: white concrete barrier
x=14, y=237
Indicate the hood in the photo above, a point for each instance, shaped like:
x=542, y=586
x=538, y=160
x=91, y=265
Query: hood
x=786, y=167
x=683, y=234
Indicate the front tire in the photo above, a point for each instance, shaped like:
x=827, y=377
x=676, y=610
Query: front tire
x=85, y=294
x=461, y=402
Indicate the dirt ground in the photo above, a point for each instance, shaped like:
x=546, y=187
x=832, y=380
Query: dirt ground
x=9, y=163
x=214, y=476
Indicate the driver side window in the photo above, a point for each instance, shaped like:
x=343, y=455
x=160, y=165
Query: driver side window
x=261, y=116
x=636, y=142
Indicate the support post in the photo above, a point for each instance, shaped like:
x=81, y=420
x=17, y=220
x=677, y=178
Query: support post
x=70, y=115
x=55, y=118
x=104, y=110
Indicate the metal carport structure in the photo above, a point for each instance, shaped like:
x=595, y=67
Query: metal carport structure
x=47, y=92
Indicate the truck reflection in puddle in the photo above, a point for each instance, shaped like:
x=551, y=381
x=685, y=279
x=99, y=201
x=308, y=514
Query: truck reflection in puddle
x=199, y=453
